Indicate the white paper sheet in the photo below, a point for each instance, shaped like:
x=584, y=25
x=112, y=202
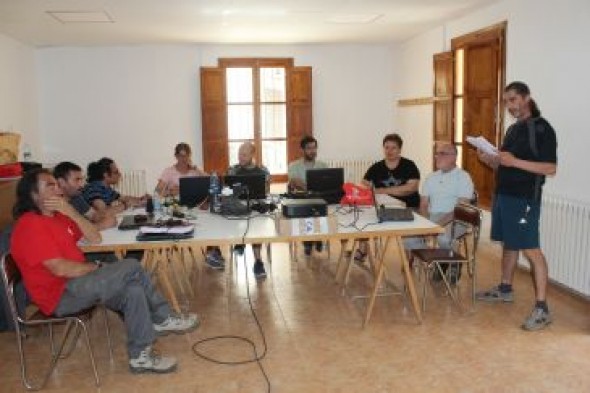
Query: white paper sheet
x=482, y=144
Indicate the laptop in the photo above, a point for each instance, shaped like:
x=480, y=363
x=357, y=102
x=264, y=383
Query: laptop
x=325, y=183
x=255, y=184
x=386, y=214
x=135, y=221
x=193, y=190
x=148, y=237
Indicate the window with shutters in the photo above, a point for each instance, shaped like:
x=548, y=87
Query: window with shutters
x=263, y=101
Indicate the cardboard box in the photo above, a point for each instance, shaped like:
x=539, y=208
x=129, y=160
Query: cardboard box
x=306, y=226
x=7, y=200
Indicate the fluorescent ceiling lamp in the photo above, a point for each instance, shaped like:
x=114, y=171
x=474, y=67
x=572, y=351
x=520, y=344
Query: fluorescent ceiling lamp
x=353, y=19
x=81, y=16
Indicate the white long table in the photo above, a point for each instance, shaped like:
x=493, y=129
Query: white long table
x=215, y=230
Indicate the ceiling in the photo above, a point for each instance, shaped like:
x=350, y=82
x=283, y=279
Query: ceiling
x=119, y=22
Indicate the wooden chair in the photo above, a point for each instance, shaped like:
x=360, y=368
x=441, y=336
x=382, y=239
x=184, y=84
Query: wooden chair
x=462, y=252
x=74, y=326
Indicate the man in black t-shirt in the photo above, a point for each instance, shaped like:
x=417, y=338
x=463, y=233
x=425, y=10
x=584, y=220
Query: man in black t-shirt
x=396, y=176
x=527, y=155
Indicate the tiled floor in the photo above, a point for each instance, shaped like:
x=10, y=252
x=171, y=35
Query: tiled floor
x=316, y=342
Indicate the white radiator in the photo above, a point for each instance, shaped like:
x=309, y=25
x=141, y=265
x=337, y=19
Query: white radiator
x=132, y=183
x=354, y=170
x=565, y=241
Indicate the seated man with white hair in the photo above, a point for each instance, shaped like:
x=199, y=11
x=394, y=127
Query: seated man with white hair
x=441, y=191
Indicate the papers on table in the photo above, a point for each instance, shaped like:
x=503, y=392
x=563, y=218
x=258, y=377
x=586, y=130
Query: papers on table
x=482, y=144
x=178, y=230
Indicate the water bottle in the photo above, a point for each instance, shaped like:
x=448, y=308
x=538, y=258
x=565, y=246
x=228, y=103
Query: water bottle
x=214, y=191
x=156, y=203
x=149, y=206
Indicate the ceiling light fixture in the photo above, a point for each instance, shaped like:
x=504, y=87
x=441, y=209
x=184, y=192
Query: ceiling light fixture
x=81, y=16
x=353, y=19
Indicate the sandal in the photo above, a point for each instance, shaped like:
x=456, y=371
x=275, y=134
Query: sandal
x=360, y=256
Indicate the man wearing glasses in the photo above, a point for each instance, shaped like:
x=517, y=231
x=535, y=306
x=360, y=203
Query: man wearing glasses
x=441, y=191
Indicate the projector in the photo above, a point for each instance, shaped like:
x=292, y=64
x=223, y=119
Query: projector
x=302, y=208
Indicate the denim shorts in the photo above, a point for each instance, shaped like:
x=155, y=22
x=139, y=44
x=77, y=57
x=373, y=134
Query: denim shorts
x=515, y=222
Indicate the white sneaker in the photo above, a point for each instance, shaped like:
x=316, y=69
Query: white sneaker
x=149, y=361
x=177, y=324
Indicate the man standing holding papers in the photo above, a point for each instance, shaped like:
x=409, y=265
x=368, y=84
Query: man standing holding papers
x=527, y=155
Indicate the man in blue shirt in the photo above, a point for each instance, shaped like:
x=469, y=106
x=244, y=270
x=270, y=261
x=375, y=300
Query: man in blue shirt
x=441, y=191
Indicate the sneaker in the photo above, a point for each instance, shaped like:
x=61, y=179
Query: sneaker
x=359, y=256
x=494, y=295
x=150, y=361
x=177, y=324
x=214, y=260
x=454, y=274
x=307, y=248
x=436, y=277
x=259, y=271
x=219, y=256
x=538, y=319
x=319, y=246
x=239, y=249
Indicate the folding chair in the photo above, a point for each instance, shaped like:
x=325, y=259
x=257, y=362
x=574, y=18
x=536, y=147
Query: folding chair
x=74, y=324
x=462, y=252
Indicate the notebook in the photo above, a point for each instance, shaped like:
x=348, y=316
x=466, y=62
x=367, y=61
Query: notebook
x=325, y=183
x=177, y=230
x=193, y=190
x=135, y=221
x=385, y=214
x=255, y=184
x=149, y=237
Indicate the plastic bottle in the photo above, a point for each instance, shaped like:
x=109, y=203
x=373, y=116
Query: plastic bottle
x=157, y=203
x=214, y=191
x=27, y=154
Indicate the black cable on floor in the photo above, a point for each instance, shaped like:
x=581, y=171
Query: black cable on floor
x=257, y=358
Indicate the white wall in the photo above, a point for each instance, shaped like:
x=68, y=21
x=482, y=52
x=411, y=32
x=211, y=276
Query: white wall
x=548, y=46
x=416, y=79
x=18, y=93
x=101, y=101
x=129, y=103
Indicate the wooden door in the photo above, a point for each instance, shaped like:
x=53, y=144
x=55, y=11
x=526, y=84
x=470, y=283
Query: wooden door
x=481, y=92
x=443, y=97
x=299, y=109
x=482, y=65
x=214, y=120
x=442, y=106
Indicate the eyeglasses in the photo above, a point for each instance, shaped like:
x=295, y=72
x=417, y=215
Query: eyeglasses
x=444, y=153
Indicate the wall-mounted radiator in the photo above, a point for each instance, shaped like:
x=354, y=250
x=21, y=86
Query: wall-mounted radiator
x=565, y=240
x=132, y=183
x=354, y=170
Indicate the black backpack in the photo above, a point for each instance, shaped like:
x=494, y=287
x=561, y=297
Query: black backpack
x=532, y=123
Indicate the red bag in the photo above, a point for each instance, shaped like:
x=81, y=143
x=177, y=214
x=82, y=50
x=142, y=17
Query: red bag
x=356, y=195
x=11, y=170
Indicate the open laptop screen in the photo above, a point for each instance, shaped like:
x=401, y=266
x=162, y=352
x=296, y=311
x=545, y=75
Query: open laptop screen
x=256, y=184
x=193, y=190
x=326, y=183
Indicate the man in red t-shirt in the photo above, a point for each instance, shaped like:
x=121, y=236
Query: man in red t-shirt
x=60, y=282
